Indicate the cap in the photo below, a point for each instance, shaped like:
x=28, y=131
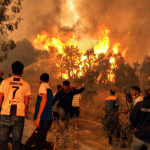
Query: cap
x=128, y=95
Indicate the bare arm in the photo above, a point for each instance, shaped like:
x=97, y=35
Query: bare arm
x=42, y=105
x=26, y=102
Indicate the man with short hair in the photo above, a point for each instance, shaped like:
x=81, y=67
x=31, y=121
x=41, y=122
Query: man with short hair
x=42, y=116
x=135, y=91
x=140, y=119
x=16, y=93
x=65, y=96
x=111, y=106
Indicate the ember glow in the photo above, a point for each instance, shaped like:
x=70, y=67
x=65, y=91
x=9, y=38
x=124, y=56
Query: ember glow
x=69, y=41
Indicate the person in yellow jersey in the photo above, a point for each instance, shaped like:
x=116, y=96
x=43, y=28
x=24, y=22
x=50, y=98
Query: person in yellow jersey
x=16, y=93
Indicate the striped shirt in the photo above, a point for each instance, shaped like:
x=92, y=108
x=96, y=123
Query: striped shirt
x=75, y=101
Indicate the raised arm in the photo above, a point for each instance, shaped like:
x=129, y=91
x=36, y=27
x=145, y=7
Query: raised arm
x=78, y=91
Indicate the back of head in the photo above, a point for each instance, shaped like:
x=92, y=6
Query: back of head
x=147, y=91
x=58, y=87
x=136, y=88
x=17, y=67
x=112, y=91
x=128, y=95
x=44, y=77
x=66, y=83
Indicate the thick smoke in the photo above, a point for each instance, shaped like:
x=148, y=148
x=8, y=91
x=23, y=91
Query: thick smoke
x=128, y=21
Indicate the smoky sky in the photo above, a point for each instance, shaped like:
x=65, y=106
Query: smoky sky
x=128, y=21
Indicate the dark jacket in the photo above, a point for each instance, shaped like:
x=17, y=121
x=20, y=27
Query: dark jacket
x=140, y=119
x=65, y=99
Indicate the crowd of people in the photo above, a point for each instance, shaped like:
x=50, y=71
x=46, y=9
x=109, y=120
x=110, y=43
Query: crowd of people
x=139, y=109
x=14, y=101
x=62, y=105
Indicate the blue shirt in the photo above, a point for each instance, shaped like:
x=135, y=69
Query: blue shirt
x=47, y=112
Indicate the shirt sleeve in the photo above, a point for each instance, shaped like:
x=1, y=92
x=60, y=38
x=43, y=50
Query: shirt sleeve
x=28, y=91
x=42, y=89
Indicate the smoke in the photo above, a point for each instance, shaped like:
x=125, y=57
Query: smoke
x=128, y=22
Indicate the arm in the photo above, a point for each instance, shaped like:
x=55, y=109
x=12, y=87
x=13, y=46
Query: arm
x=26, y=102
x=78, y=91
x=42, y=105
x=134, y=116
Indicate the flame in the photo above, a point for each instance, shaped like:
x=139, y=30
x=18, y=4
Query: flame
x=45, y=41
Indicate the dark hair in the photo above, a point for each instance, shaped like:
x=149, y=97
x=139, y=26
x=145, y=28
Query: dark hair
x=44, y=77
x=112, y=92
x=58, y=86
x=136, y=88
x=17, y=67
x=66, y=83
x=1, y=79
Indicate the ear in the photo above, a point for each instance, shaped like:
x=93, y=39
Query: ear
x=22, y=71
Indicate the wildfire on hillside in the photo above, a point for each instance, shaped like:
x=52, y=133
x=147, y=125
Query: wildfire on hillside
x=69, y=41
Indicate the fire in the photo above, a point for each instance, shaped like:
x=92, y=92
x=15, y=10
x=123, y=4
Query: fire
x=85, y=58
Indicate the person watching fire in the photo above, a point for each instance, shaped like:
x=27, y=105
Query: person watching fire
x=65, y=97
x=112, y=105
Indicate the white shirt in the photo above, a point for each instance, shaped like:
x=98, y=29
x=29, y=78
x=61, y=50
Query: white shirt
x=138, y=99
x=14, y=90
x=43, y=88
x=76, y=99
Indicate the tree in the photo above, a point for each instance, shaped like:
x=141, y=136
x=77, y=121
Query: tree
x=8, y=22
x=145, y=71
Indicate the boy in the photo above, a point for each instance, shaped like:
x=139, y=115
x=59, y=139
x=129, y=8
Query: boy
x=43, y=117
x=16, y=93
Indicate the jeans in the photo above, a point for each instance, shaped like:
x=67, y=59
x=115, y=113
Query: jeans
x=10, y=124
x=137, y=144
x=39, y=136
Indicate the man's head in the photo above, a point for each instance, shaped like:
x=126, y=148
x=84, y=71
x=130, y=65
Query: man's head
x=135, y=90
x=17, y=68
x=1, y=79
x=58, y=87
x=112, y=91
x=147, y=91
x=66, y=85
x=44, y=77
x=129, y=97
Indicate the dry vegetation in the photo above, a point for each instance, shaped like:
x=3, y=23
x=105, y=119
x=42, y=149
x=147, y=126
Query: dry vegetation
x=90, y=130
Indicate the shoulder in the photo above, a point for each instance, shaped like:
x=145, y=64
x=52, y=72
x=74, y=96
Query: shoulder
x=111, y=98
x=138, y=105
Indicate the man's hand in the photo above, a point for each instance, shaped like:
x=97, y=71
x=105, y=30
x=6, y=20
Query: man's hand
x=37, y=121
x=83, y=86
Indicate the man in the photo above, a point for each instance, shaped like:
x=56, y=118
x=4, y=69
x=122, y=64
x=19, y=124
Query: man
x=43, y=117
x=135, y=91
x=111, y=106
x=54, y=109
x=65, y=96
x=16, y=93
x=76, y=105
x=140, y=119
